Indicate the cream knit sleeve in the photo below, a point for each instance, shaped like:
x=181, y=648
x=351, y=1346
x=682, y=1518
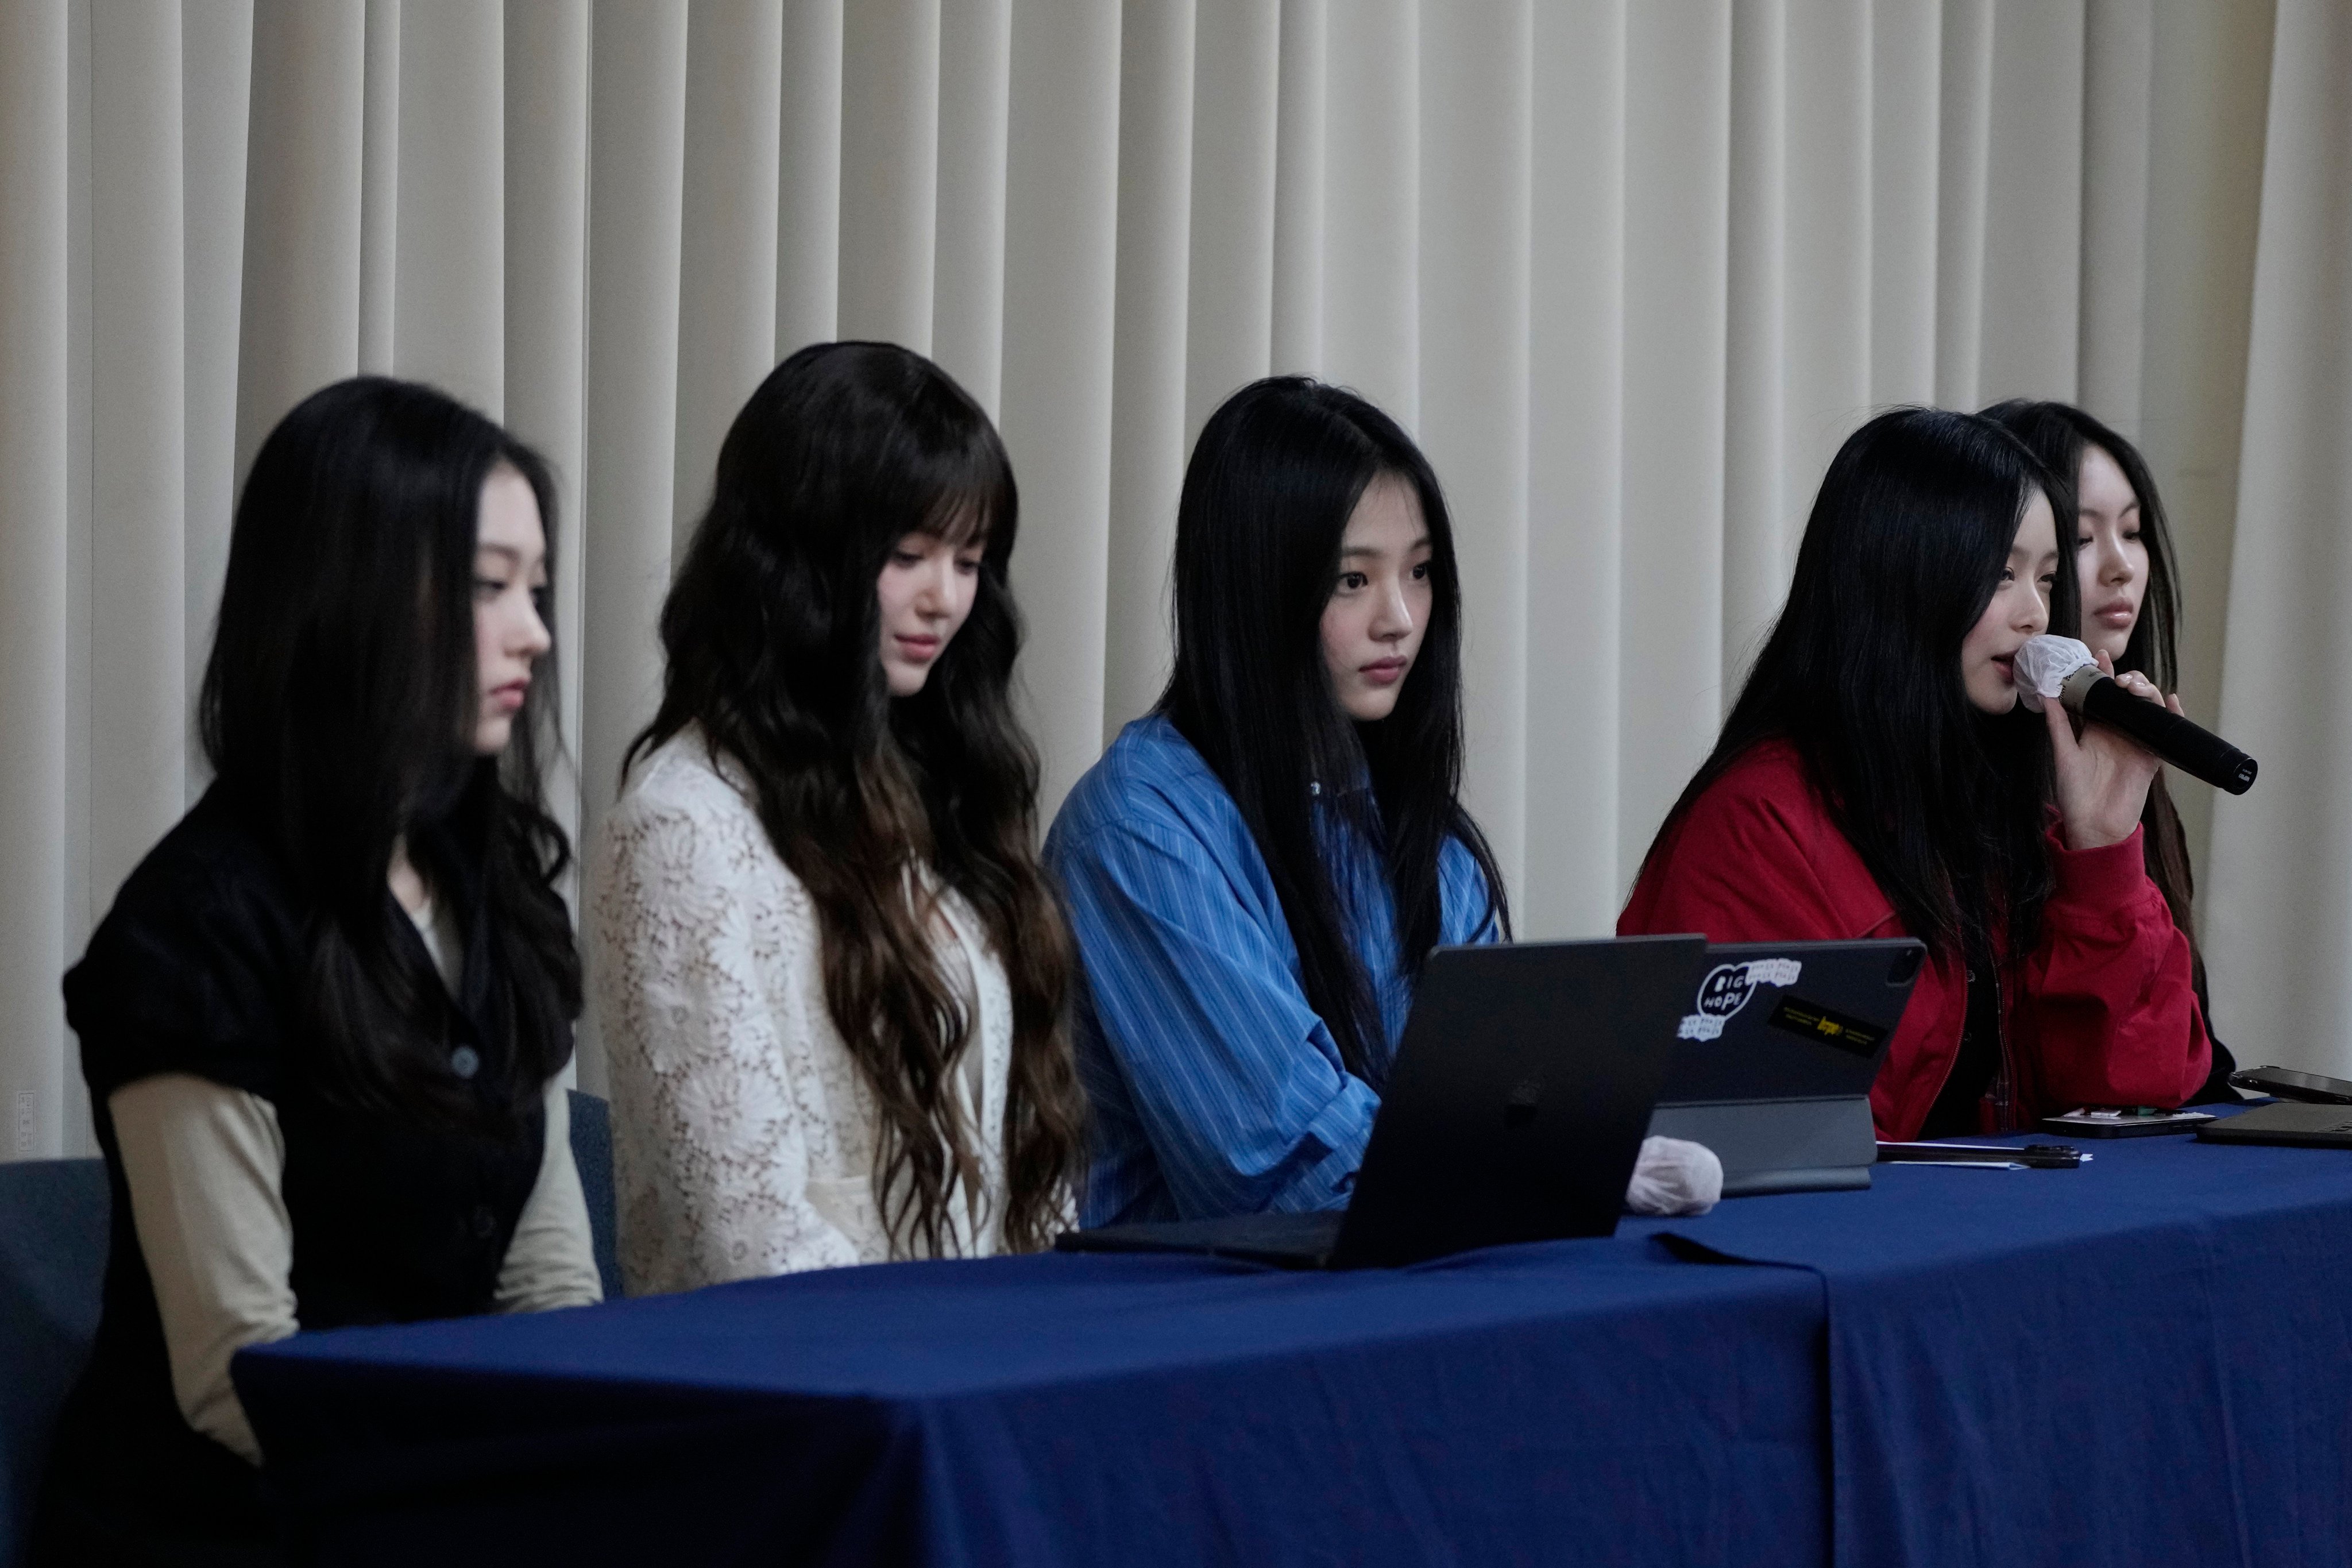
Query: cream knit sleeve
x=204, y=1164
x=552, y=1261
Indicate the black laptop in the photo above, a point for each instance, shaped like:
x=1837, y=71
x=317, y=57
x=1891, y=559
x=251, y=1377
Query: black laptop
x=2290, y=1123
x=1513, y=1112
x=1776, y=1050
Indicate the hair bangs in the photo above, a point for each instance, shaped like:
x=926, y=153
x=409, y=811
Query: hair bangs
x=960, y=518
x=771, y=632
x=957, y=474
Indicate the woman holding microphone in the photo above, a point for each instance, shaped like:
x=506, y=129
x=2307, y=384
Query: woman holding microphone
x=1876, y=777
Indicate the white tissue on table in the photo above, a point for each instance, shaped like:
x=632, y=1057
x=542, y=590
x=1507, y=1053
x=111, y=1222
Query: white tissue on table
x=1673, y=1177
x=2042, y=666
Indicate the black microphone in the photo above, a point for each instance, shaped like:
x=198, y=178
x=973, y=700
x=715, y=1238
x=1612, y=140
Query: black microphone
x=2064, y=668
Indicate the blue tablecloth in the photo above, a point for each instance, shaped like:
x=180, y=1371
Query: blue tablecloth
x=1583, y=1401
x=2146, y=1360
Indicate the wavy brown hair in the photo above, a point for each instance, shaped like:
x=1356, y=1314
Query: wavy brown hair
x=773, y=632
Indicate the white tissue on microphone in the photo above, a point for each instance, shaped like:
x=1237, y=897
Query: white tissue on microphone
x=1673, y=1177
x=2042, y=666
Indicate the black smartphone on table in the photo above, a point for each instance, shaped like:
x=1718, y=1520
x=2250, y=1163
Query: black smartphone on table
x=2126, y=1121
x=2286, y=1083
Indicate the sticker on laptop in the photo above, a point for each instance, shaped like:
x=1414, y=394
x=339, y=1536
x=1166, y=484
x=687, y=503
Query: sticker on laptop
x=1726, y=990
x=1819, y=1024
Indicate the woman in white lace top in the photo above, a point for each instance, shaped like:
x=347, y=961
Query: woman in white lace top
x=829, y=974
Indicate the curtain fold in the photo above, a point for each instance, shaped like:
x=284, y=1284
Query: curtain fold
x=449, y=295
x=1061, y=228
x=727, y=288
x=546, y=346
x=1229, y=279
x=1906, y=121
x=1302, y=107
x=1670, y=582
x=33, y=1068
x=1630, y=271
x=974, y=118
x=299, y=321
x=215, y=82
x=890, y=169
x=379, y=183
x=1963, y=129
x=2118, y=90
x=1830, y=234
x=636, y=174
x=1151, y=314
x=808, y=176
x=1478, y=95
x=2030, y=312
x=1576, y=468
x=138, y=678
x=1371, y=200
x=2279, y=929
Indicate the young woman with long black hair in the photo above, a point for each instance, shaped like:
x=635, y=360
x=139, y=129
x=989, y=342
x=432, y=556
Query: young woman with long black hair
x=1876, y=777
x=2130, y=591
x=1257, y=869
x=829, y=973
x=323, y=1023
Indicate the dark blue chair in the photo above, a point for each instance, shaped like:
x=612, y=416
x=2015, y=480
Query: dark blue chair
x=591, y=1153
x=54, y=1221
x=53, y=1234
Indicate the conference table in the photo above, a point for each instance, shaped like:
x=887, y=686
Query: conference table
x=2144, y=1361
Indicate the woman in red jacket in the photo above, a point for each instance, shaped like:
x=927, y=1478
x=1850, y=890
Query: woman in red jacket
x=1877, y=778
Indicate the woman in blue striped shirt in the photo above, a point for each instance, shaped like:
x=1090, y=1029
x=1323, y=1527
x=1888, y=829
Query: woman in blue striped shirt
x=1258, y=867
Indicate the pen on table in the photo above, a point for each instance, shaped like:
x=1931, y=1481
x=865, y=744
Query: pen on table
x=2000, y=1156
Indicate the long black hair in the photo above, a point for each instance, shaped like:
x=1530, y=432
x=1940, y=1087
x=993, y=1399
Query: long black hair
x=338, y=712
x=1276, y=475
x=774, y=634
x=1861, y=676
x=2059, y=434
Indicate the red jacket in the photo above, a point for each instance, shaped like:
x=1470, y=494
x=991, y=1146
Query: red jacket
x=2100, y=1014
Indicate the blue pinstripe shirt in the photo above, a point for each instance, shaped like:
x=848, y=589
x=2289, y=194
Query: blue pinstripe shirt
x=1217, y=1090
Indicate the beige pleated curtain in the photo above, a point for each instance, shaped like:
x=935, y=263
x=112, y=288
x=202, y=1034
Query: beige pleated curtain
x=1631, y=269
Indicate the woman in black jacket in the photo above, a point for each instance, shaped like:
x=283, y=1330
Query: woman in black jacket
x=323, y=1023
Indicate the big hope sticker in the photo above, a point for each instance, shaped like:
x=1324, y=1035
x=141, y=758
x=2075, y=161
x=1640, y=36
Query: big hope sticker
x=1726, y=989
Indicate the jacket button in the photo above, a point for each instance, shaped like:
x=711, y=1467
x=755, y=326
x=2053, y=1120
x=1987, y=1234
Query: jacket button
x=465, y=1061
x=484, y=1222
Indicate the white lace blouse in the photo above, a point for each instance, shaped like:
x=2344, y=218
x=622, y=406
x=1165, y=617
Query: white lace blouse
x=743, y=1135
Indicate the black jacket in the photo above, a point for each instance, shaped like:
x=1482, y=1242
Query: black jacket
x=201, y=967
